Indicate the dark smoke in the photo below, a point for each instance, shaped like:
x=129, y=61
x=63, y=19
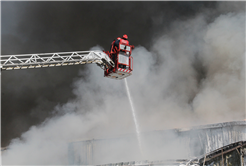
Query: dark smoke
x=28, y=96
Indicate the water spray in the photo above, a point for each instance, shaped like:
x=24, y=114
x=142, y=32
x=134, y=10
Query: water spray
x=134, y=118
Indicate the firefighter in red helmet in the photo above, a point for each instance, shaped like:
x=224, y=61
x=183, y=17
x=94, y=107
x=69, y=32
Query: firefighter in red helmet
x=115, y=45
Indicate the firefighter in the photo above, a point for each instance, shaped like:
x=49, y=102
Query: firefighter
x=115, y=45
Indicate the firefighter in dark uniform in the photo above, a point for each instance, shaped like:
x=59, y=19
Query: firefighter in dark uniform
x=115, y=45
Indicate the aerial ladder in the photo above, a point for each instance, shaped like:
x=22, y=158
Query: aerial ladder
x=29, y=61
x=101, y=58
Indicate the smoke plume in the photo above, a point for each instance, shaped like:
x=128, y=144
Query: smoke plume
x=193, y=73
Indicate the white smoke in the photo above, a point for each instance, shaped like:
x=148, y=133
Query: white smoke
x=222, y=95
x=192, y=75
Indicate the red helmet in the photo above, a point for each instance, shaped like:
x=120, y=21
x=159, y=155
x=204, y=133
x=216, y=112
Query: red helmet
x=125, y=36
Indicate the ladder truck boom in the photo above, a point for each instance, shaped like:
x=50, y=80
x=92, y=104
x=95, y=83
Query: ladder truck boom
x=26, y=61
x=116, y=65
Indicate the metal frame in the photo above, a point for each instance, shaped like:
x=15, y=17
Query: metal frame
x=26, y=61
x=220, y=152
